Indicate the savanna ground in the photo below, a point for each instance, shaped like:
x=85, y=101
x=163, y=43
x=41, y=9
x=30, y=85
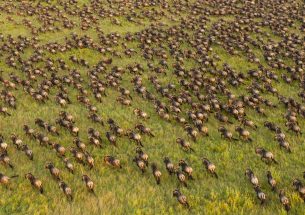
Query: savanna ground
x=126, y=190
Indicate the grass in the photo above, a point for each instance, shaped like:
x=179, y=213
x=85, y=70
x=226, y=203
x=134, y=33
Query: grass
x=127, y=191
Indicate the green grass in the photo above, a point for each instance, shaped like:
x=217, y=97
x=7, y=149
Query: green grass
x=127, y=191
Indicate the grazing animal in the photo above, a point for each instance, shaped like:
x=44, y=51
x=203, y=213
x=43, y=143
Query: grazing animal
x=226, y=134
x=4, y=111
x=95, y=118
x=53, y=170
x=252, y=178
x=3, y=145
x=157, y=173
x=28, y=152
x=284, y=144
x=169, y=165
x=94, y=133
x=66, y=116
x=294, y=127
x=88, y=182
x=181, y=177
x=272, y=126
x=115, y=128
x=89, y=159
x=95, y=142
x=186, y=169
x=144, y=130
x=125, y=92
x=66, y=190
x=41, y=123
x=135, y=137
x=124, y=101
x=284, y=200
x=35, y=182
x=79, y=144
x=79, y=156
x=265, y=155
x=260, y=194
x=222, y=118
x=52, y=129
x=210, y=167
x=16, y=141
x=5, y=180
x=185, y=144
x=142, y=155
x=43, y=140
x=181, y=198
x=5, y=160
x=60, y=150
x=191, y=132
x=271, y=181
x=203, y=129
x=111, y=138
x=112, y=161
x=141, y=113
x=244, y=134
x=69, y=165
x=248, y=123
x=73, y=130
x=140, y=163
x=299, y=187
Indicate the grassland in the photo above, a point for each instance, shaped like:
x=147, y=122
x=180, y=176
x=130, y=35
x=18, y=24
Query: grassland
x=126, y=190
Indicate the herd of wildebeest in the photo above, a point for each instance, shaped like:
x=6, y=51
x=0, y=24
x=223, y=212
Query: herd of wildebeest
x=175, y=42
